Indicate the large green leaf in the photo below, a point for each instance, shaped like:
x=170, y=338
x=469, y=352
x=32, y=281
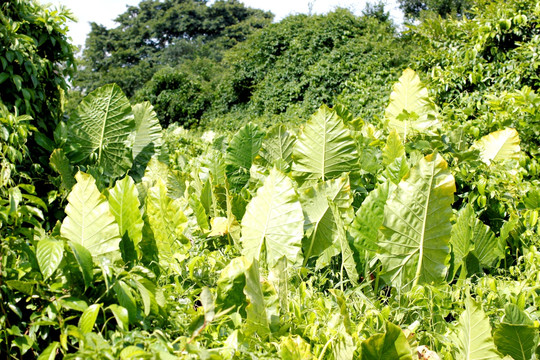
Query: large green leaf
x=325, y=148
x=474, y=339
x=89, y=221
x=516, y=335
x=470, y=235
x=416, y=228
x=499, y=145
x=49, y=254
x=124, y=203
x=167, y=221
x=257, y=319
x=277, y=149
x=410, y=109
x=273, y=221
x=147, y=142
x=320, y=226
x=241, y=152
x=390, y=345
x=100, y=130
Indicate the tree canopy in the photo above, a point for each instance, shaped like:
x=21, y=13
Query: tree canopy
x=162, y=32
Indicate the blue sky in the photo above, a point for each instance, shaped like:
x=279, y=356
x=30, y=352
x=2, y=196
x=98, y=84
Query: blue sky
x=104, y=11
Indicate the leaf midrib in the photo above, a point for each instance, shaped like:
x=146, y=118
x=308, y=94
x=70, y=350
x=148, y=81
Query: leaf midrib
x=109, y=98
x=423, y=232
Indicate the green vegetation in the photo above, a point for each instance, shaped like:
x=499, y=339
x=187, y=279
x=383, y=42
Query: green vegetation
x=397, y=221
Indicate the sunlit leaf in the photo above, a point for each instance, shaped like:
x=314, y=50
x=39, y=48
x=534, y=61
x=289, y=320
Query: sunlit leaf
x=49, y=254
x=473, y=332
x=325, y=148
x=410, y=109
x=89, y=221
x=499, y=145
x=124, y=204
x=88, y=318
x=273, y=221
x=167, y=221
x=277, y=149
x=416, y=228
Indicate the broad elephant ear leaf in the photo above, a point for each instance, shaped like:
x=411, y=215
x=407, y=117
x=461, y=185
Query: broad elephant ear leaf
x=89, y=221
x=147, y=142
x=470, y=235
x=167, y=222
x=277, y=149
x=390, y=345
x=124, y=203
x=516, y=335
x=273, y=221
x=499, y=145
x=410, y=109
x=416, y=229
x=101, y=130
x=242, y=150
x=325, y=148
x=473, y=336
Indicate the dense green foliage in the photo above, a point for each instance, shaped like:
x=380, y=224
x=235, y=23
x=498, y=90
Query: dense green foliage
x=36, y=59
x=413, y=9
x=409, y=232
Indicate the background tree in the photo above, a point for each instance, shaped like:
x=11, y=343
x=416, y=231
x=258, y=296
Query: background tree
x=157, y=33
x=413, y=8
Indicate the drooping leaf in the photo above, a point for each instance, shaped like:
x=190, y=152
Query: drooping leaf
x=410, y=109
x=474, y=339
x=416, y=228
x=273, y=221
x=147, y=142
x=100, y=130
x=320, y=225
x=89, y=221
x=88, y=318
x=390, y=345
x=516, y=335
x=499, y=145
x=242, y=150
x=60, y=163
x=84, y=260
x=469, y=234
x=369, y=218
x=167, y=221
x=121, y=315
x=325, y=148
x=124, y=295
x=49, y=254
x=277, y=149
x=124, y=204
x=257, y=319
